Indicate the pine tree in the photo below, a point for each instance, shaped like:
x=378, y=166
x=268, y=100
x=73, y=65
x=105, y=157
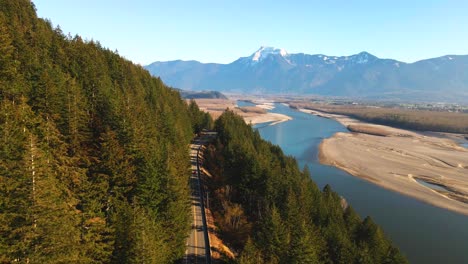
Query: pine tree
x=55, y=222
x=148, y=239
x=8, y=66
x=251, y=254
x=15, y=191
x=274, y=237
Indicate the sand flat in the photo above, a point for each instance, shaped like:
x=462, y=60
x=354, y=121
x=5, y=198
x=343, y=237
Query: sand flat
x=251, y=115
x=274, y=118
x=430, y=169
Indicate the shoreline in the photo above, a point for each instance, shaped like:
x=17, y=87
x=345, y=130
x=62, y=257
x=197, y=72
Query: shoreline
x=274, y=118
x=252, y=115
x=416, y=191
x=265, y=118
x=327, y=161
x=409, y=163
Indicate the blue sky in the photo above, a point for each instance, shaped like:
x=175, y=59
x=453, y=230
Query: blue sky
x=222, y=31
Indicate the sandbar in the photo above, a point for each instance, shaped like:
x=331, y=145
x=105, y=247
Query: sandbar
x=428, y=168
x=252, y=115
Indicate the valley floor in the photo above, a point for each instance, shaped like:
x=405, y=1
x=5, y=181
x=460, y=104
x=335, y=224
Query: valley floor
x=428, y=168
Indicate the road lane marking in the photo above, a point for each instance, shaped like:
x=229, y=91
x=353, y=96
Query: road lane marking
x=196, y=203
x=195, y=233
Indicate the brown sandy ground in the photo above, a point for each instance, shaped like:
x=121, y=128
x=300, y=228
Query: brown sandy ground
x=401, y=160
x=252, y=115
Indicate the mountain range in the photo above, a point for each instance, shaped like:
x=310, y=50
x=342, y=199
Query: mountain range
x=274, y=71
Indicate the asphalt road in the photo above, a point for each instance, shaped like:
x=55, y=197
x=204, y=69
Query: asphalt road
x=196, y=244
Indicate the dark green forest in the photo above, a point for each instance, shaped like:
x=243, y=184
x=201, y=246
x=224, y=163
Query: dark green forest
x=272, y=212
x=94, y=160
x=94, y=166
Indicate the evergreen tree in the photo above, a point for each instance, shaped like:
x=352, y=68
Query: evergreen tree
x=16, y=221
x=93, y=155
x=292, y=220
x=250, y=254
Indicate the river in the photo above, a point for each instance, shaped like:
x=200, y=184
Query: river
x=424, y=233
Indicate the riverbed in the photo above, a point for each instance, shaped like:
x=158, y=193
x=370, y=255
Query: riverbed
x=424, y=233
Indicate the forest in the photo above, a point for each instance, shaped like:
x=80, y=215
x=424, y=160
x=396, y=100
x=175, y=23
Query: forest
x=270, y=211
x=94, y=166
x=94, y=160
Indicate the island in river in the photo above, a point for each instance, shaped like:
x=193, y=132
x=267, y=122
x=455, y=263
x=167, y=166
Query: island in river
x=428, y=168
x=252, y=114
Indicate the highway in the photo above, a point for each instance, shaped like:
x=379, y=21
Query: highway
x=197, y=250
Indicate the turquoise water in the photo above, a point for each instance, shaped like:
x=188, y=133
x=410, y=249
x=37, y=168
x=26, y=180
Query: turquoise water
x=424, y=233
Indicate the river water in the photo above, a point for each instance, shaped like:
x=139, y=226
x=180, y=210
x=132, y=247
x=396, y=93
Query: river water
x=424, y=233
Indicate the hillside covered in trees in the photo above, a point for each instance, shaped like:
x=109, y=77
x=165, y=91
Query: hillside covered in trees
x=94, y=159
x=94, y=166
x=272, y=212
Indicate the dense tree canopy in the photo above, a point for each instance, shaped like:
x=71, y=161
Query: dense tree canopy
x=93, y=151
x=272, y=212
x=94, y=166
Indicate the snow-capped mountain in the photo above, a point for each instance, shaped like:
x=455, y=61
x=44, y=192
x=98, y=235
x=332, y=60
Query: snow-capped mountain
x=271, y=70
x=263, y=56
x=264, y=52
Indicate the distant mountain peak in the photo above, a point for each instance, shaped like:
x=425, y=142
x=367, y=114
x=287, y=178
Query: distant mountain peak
x=365, y=53
x=363, y=57
x=264, y=51
x=361, y=75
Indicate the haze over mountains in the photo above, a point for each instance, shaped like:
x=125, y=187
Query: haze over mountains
x=274, y=71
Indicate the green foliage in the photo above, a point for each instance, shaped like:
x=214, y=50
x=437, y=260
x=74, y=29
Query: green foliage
x=251, y=254
x=200, y=120
x=291, y=220
x=93, y=151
